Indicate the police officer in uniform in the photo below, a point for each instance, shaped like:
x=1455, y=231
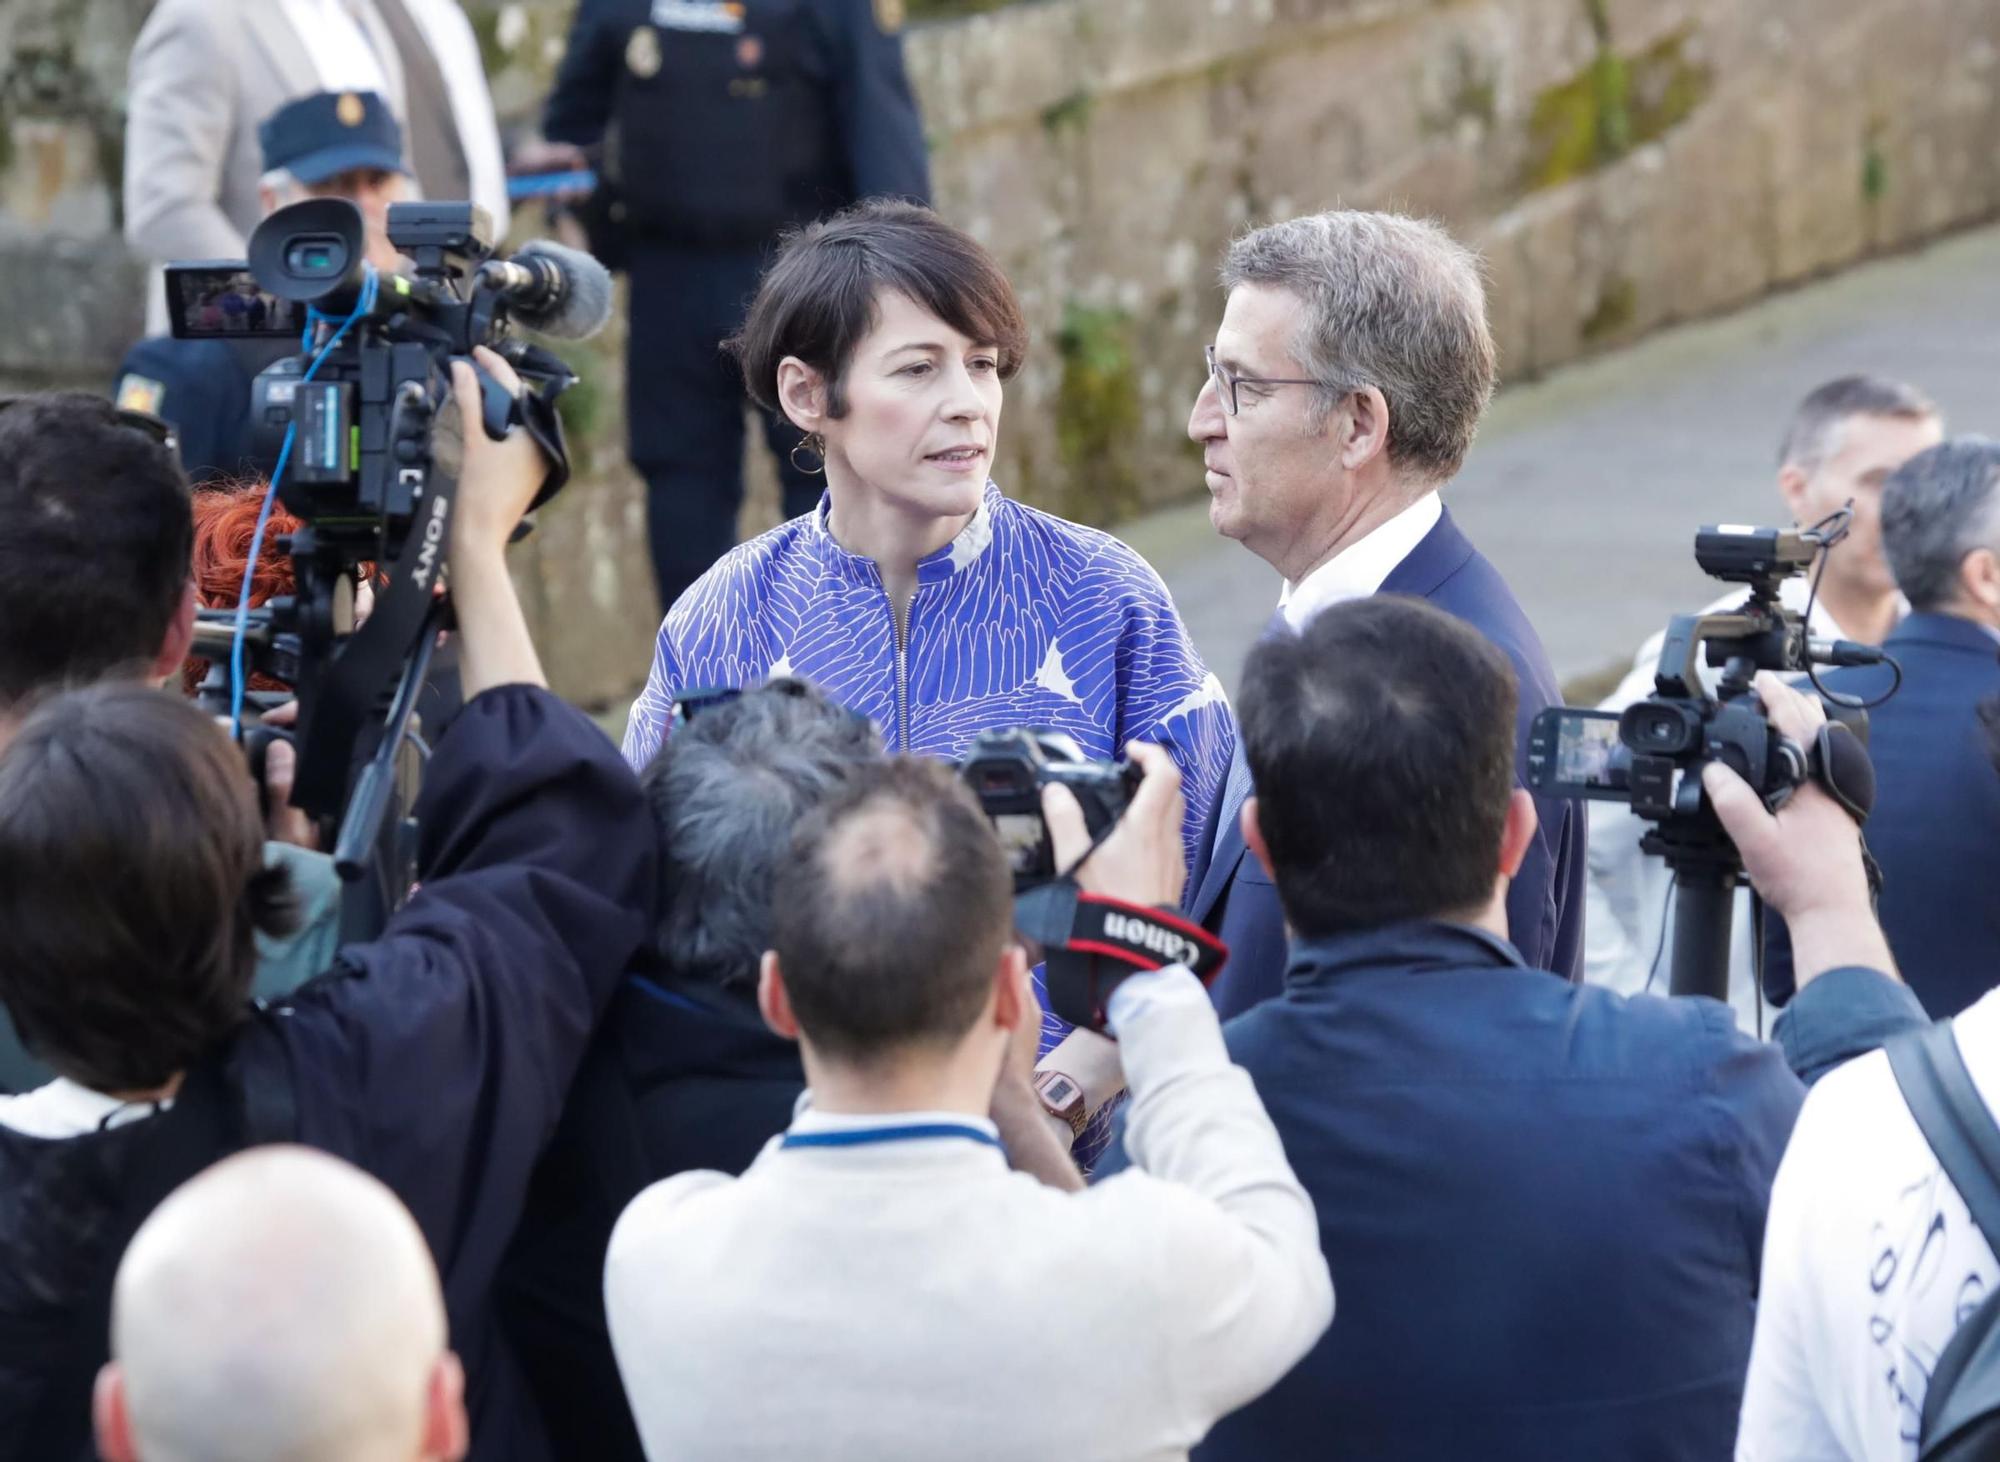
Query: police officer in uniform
x=717, y=124
x=333, y=144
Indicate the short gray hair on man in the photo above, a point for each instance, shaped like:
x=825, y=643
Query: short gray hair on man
x=727, y=791
x=1936, y=508
x=1390, y=302
x=1813, y=435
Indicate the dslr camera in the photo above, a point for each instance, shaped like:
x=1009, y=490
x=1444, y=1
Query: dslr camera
x=368, y=444
x=1007, y=771
x=1652, y=754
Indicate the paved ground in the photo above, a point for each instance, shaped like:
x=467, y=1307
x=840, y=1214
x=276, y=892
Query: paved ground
x=1586, y=487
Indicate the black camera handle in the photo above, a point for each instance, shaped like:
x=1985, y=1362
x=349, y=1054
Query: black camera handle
x=1707, y=870
x=374, y=789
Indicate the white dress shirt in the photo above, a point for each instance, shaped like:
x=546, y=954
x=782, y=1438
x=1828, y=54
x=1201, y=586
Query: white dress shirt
x=1870, y=1260
x=1359, y=569
x=456, y=50
x=883, y=1288
x=348, y=55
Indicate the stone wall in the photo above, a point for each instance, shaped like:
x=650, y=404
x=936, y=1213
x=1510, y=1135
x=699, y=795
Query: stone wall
x=1622, y=164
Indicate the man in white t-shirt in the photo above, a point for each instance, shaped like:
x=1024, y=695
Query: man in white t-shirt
x=1844, y=440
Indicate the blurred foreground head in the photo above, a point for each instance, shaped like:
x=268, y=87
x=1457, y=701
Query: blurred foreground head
x=281, y=1304
x=1387, y=727
x=132, y=886
x=95, y=532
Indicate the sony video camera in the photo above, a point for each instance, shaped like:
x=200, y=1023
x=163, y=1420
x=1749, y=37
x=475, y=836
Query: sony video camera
x=1007, y=771
x=1651, y=754
x=365, y=431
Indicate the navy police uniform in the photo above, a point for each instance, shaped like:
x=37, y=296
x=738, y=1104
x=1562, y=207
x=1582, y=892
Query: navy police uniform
x=201, y=388
x=721, y=123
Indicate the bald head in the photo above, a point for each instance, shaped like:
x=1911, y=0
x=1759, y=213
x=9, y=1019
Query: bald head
x=281, y=1305
x=891, y=915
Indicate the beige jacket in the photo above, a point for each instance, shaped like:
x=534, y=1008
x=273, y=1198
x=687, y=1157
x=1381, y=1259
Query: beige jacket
x=203, y=75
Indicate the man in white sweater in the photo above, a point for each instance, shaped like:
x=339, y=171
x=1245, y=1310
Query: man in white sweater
x=879, y=1285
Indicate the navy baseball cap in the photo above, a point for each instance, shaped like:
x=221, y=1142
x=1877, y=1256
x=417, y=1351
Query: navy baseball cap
x=332, y=132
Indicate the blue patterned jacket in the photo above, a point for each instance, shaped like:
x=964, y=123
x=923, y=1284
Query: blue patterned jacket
x=1022, y=620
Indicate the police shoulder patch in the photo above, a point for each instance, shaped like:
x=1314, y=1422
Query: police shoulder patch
x=890, y=15
x=141, y=393
x=642, y=53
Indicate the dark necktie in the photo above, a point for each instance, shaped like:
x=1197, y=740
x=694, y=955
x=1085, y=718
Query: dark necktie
x=435, y=151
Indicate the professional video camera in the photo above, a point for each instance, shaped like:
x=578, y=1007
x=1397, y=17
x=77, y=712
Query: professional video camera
x=1651, y=754
x=1089, y=943
x=368, y=449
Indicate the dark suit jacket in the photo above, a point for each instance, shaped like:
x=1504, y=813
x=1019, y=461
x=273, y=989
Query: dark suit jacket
x=1542, y=1203
x=1936, y=824
x=202, y=389
x=1233, y=897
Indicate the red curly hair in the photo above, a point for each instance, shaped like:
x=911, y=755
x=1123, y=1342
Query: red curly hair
x=225, y=519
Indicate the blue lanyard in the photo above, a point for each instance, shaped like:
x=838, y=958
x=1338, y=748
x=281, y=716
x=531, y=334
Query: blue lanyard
x=912, y=1132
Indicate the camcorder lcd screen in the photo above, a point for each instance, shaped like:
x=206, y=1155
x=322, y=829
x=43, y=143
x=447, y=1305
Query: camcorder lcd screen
x=225, y=302
x=1584, y=746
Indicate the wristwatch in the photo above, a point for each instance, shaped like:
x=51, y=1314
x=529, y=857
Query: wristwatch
x=1062, y=1099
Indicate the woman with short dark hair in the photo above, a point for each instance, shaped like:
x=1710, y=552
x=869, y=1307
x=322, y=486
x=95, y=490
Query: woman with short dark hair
x=918, y=594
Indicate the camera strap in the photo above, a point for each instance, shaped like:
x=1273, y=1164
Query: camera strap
x=1091, y=942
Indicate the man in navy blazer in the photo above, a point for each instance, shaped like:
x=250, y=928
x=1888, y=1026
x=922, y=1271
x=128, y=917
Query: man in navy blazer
x=1936, y=825
x=1543, y=1203
x=1345, y=383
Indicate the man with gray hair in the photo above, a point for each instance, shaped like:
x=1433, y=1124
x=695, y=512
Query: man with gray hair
x=1936, y=825
x=280, y=1304
x=1345, y=384
x=1843, y=441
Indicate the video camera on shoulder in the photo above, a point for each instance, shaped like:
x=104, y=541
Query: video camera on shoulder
x=369, y=447
x=1652, y=753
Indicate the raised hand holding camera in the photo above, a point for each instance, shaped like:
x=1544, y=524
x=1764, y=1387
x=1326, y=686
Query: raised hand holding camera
x=1113, y=913
x=367, y=468
x=1805, y=858
x=1655, y=754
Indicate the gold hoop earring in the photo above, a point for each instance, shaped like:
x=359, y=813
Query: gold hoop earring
x=813, y=444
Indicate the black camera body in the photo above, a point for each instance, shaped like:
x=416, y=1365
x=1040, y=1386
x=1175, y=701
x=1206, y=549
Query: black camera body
x=369, y=458
x=1652, y=754
x=1007, y=771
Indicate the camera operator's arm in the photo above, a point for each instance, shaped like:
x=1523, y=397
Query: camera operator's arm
x=497, y=482
x=449, y=1042
x=1805, y=861
x=1806, y=864
x=1243, y=1289
x=1084, y=1056
x=1027, y=1132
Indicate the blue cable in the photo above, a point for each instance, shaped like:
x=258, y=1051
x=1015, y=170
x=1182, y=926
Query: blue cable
x=237, y=679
